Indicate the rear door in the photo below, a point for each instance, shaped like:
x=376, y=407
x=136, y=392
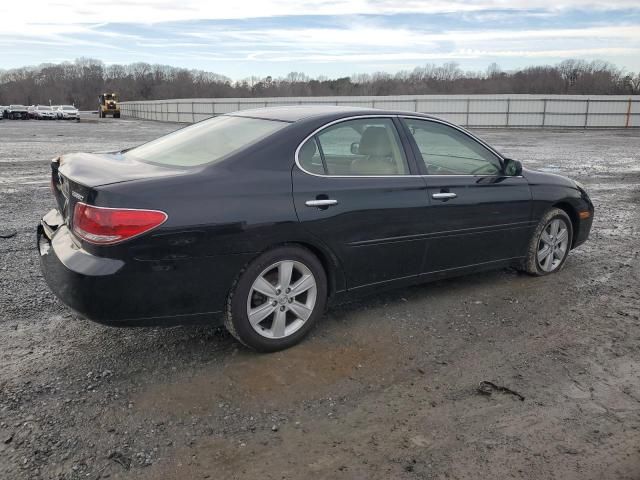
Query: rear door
x=357, y=190
x=477, y=214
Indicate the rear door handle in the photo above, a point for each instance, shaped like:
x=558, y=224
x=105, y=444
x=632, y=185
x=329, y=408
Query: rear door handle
x=327, y=202
x=443, y=195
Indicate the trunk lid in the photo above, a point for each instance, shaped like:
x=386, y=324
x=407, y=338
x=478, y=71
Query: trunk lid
x=96, y=169
x=75, y=177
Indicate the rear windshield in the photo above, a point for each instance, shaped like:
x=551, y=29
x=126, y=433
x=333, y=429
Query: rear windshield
x=205, y=142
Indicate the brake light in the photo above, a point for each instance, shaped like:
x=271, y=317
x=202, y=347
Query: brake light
x=106, y=226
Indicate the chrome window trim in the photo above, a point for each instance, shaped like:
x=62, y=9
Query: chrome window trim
x=464, y=132
x=340, y=120
x=391, y=116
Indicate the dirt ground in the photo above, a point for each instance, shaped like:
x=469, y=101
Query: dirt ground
x=384, y=388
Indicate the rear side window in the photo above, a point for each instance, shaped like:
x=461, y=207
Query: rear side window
x=310, y=158
x=361, y=147
x=205, y=142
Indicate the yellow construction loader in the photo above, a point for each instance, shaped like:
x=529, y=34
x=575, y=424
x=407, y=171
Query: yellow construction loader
x=108, y=105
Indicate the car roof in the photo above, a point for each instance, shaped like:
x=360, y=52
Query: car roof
x=294, y=113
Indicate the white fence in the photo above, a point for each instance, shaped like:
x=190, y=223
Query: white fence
x=577, y=111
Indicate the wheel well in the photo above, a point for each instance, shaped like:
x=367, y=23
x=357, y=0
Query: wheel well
x=573, y=215
x=327, y=263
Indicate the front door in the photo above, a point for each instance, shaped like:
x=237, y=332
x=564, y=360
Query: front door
x=478, y=215
x=356, y=190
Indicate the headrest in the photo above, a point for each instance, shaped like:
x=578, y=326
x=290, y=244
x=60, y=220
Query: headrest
x=375, y=141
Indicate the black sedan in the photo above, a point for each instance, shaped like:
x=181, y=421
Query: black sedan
x=16, y=112
x=263, y=217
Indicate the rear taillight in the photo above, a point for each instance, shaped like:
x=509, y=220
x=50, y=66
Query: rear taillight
x=106, y=226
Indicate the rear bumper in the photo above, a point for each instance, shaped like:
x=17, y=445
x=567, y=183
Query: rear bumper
x=134, y=293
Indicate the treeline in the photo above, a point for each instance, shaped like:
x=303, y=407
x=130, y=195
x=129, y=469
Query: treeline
x=81, y=82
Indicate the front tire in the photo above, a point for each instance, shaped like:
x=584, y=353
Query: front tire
x=277, y=299
x=550, y=243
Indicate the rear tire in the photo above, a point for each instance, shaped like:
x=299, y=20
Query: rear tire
x=284, y=292
x=550, y=243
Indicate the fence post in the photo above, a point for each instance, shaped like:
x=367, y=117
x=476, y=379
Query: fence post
x=415, y=105
x=544, y=112
x=627, y=124
x=586, y=115
x=468, y=104
x=193, y=113
x=508, y=109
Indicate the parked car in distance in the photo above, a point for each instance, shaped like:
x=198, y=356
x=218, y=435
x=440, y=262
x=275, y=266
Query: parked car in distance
x=2, y=107
x=263, y=217
x=68, y=112
x=31, y=111
x=56, y=110
x=44, y=112
x=16, y=112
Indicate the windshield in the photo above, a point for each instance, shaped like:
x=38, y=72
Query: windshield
x=205, y=142
x=44, y=108
x=16, y=106
x=67, y=107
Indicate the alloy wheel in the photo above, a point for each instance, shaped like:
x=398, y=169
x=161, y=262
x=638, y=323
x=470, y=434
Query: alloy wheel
x=281, y=299
x=553, y=245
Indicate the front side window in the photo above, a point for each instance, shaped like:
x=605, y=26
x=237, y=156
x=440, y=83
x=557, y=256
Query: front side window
x=448, y=151
x=205, y=142
x=361, y=147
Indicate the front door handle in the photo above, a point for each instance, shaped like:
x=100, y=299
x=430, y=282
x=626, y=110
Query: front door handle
x=443, y=195
x=326, y=202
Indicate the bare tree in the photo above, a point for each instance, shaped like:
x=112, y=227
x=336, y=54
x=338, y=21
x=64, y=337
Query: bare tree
x=82, y=81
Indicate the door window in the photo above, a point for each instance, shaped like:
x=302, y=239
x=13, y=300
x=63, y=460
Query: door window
x=362, y=147
x=448, y=151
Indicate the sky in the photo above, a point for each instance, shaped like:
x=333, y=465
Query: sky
x=328, y=38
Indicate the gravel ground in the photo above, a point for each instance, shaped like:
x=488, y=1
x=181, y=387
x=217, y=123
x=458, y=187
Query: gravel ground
x=385, y=387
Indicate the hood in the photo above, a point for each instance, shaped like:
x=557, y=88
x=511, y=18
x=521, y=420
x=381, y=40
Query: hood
x=535, y=177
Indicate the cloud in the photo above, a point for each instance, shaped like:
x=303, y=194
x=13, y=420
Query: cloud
x=448, y=55
x=339, y=34
x=399, y=36
x=71, y=12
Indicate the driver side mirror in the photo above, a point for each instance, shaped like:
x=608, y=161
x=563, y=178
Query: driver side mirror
x=512, y=168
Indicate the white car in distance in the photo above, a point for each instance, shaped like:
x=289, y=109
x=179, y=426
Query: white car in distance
x=44, y=112
x=68, y=112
